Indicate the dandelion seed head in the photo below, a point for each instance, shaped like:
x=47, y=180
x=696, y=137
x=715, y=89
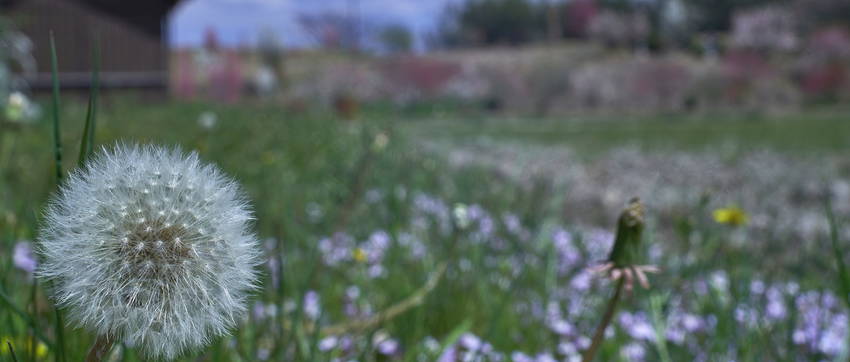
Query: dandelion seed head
x=150, y=246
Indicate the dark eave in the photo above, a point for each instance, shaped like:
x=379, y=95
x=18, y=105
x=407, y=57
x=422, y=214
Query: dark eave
x=144, y=15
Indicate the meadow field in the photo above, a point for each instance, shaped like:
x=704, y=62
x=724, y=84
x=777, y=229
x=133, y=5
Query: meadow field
x=440, y=234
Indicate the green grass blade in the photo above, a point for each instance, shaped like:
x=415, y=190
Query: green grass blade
x=12, y=351
x=843, y=275
x=87, y=143
x=57, y=148
x=455, y=335
x=5, y=299
x=57, y=141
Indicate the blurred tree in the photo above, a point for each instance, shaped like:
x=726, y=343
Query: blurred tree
x=485, y=22
x=618, y=5
x=822, y=13
x=716, y=15
x=331, y=30
x=270, y=48
x=397, y=39
x=580, y=14
x=271, y=71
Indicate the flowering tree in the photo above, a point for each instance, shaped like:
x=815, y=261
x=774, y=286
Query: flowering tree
x=15, y=59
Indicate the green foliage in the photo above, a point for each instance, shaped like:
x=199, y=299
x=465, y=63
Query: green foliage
x=716, y=15
x=397, y=38
x=479, y=22
x=310, y=176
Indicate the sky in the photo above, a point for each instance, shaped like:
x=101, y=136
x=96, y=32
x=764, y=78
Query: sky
x=238, y=22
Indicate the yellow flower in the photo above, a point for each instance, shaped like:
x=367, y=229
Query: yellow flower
x=40, y=347
x=40, y=350
x=731, y=215
x=359, y=255
x=268, y=158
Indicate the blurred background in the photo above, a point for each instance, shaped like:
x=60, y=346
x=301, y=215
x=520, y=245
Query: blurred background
x=536, y=57
x=381, y=139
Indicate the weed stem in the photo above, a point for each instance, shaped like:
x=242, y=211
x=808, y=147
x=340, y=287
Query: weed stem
x=599, y=335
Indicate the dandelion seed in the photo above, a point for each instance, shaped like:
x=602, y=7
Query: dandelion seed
x=153, y=280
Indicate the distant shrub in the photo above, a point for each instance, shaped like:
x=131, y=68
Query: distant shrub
x=616, y=29
x=822, y=69
x=743, y=81
x=419, y=76
x=580, y=14
x=325, y=83
x=768, y=29
x=15, y=57
x=653, y=84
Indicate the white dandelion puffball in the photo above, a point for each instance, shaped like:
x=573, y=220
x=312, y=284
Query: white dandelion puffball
x=150, y=247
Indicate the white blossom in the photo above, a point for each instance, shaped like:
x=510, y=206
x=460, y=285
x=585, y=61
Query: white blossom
x=150, y=246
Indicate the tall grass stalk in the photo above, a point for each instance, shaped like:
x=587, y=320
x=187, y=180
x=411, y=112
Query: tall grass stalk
x=87, y=144
x=7, y=300
x=57, y=151
x=660, y=323
x=843, y=273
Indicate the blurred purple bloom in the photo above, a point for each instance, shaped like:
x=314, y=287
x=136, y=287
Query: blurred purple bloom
x=634, y=352
x=274, y=271
x=470, y=341
x=448, y=355
x=352, y=292
x=561, y=327
x=259, y=311
x=581, y=281
x=328, y=343
x=692, y=322
x=637, y=326
x=521, y=357
x=263, y=354
x=545, y=357
x=388, y=347
x=23, y=257
x=376, y=271
x=312, y=306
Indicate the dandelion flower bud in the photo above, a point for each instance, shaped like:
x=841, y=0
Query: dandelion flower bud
x=152, y=247
x=628, y=239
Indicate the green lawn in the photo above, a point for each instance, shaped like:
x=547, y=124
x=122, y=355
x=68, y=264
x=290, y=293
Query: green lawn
x=357, y=213
x=814, y=131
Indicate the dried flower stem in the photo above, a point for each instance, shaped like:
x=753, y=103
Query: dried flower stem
x=100, y=349
x=415, y=299
x=599, y=335
x=359, y=325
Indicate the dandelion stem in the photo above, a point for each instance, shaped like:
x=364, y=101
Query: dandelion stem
x=599, y=335
x=100, y=349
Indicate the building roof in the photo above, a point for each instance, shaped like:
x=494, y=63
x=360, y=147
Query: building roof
x=136, y=13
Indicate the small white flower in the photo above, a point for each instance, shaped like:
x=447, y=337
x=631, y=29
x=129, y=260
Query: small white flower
x=151, y=247
x=207, y=120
